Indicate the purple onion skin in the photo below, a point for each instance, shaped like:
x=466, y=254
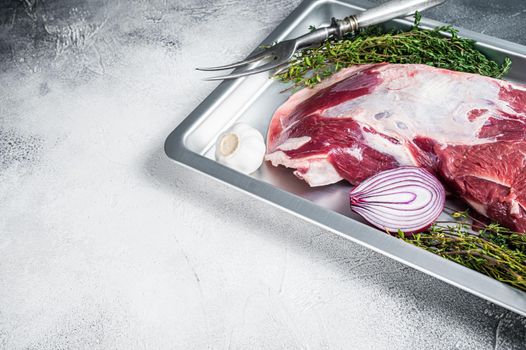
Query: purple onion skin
x=406, y=198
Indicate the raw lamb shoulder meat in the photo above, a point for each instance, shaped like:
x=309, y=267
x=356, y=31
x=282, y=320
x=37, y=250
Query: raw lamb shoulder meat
x=468, y=129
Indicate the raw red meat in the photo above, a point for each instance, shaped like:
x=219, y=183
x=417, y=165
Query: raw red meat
x=468, y=129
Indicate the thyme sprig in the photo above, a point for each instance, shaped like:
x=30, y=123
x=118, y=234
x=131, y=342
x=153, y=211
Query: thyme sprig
x=441, y=47
x=493, y=250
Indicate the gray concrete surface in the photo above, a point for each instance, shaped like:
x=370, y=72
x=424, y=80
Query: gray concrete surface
x=104, y=243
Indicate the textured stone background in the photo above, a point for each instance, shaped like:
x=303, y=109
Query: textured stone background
x=104, y=243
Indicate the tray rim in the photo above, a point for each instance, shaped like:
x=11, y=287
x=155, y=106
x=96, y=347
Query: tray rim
x=450, y=272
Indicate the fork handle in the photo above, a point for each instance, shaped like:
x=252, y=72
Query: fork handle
x=382, y=13
x=379, y=14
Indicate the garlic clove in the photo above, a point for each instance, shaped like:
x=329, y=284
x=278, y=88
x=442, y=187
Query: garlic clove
x=241, y=147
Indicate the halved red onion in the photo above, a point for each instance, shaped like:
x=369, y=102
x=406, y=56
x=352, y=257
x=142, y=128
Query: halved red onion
x=406, y=198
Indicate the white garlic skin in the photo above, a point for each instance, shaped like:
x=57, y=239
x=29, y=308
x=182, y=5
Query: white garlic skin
x=241, y=148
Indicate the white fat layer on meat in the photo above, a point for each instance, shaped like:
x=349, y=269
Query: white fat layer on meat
x=316, y=171
x=428, y=104
x=294, y=143
x=515, y=209
x=400, y=153
x=280, y=158
x=481, y=208
x=494, y=180
x=356, y=152
x=520, y=87
x=319, y=173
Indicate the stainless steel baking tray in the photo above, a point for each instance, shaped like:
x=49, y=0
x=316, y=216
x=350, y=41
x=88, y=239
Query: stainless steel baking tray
x=254, y=99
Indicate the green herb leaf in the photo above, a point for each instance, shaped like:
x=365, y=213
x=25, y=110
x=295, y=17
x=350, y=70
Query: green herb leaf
x=418, y=18
x=441, y=47
x=494, y=251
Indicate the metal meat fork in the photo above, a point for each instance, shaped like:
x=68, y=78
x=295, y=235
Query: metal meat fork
x=278, y=55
